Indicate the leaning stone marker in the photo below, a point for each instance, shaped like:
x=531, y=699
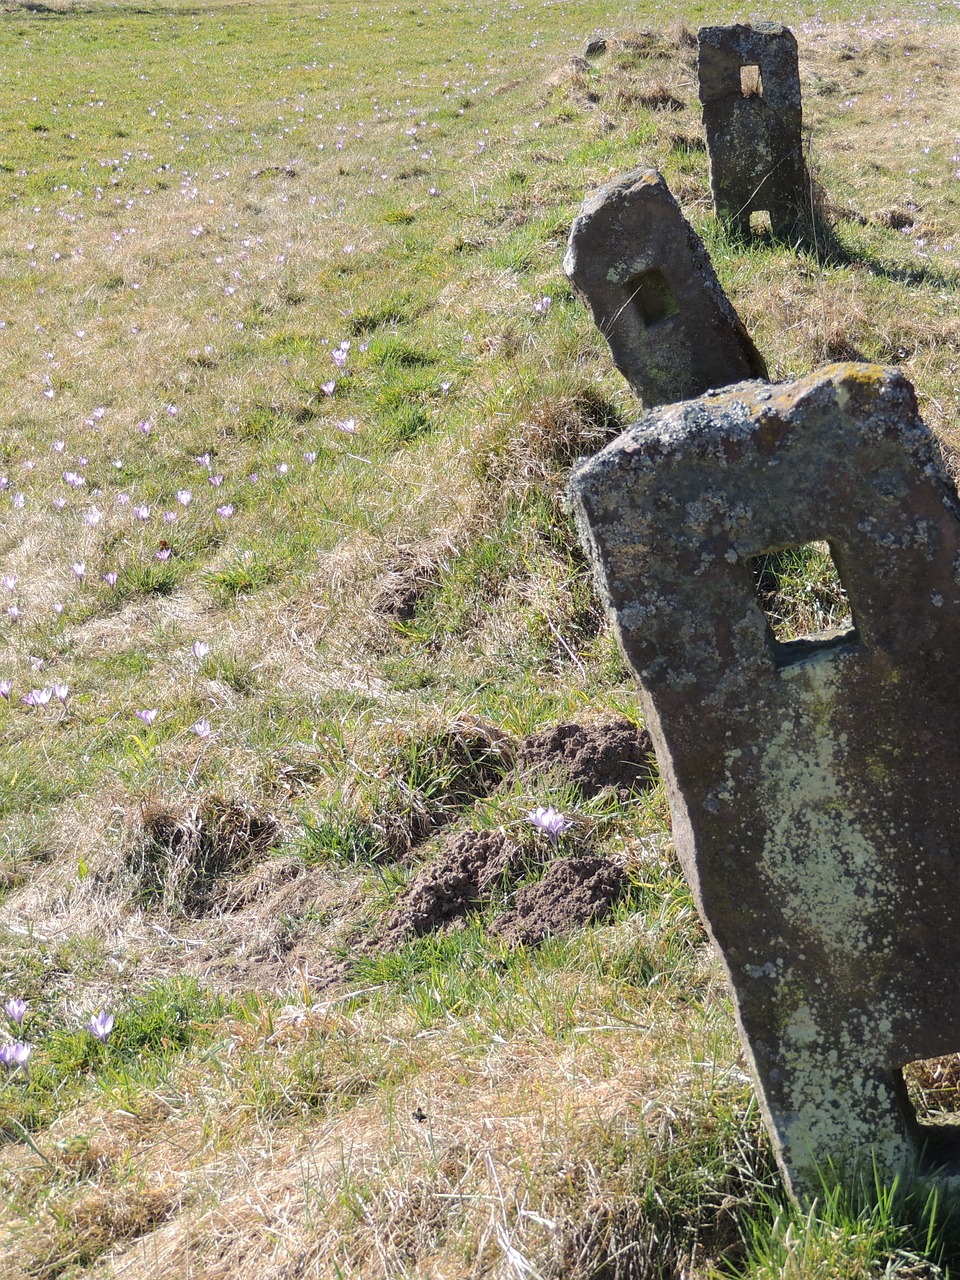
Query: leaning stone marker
x=813, y=783
x=752, y=115
x=654, y=295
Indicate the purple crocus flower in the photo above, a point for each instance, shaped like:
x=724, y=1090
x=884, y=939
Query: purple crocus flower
x=15, y=1009
x=147, y=715
x=16, y=1054
x=100, y=1025
x=550, y=821
x=5, y=687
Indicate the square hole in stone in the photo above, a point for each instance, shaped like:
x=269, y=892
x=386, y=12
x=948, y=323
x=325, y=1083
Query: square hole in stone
x=652, y=297
x=931, y=1104
x=760, y=224
x=751, y=85
x=805, y=603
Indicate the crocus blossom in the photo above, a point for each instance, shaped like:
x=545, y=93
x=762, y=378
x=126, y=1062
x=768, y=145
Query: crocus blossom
x=100, y=1025
x=16, y=1054
x=550, y=821
x=15, y=1009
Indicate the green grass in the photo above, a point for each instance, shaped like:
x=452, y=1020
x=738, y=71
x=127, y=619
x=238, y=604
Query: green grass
x=199, y=208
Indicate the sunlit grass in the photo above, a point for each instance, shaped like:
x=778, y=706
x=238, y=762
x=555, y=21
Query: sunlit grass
x=279, y=272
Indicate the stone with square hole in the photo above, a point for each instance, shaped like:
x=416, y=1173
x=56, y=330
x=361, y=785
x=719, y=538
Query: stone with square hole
x=752, y=115
x=653, y=293
x=813, y=780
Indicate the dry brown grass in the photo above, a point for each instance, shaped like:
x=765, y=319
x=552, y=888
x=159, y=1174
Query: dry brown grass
x=248, y=1159
x=379, y=1191
x=180, y=856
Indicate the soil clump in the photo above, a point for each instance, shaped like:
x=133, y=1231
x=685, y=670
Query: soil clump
x=573, y=892
x=443, y=892
x=606, y=753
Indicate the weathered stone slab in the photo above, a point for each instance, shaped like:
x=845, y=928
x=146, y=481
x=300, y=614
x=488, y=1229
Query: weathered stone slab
x=752, y=114
x=653, y=293
x=813, y=784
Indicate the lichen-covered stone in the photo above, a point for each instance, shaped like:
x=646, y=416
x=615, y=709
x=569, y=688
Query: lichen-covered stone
x=813, y=784
x=754, y=137
x=654, y=295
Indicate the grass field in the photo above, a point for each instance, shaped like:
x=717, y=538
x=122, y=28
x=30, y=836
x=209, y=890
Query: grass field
x=292, y=381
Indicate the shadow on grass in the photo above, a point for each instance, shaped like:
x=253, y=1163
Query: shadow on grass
x=819, y=239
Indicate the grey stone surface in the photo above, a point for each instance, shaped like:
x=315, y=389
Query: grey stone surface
x=752, y=115
x=653, y=293
x=812, y=784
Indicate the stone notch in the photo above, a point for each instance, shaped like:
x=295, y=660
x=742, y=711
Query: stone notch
x=653, y=293
x=813, y=784
x=752, y=114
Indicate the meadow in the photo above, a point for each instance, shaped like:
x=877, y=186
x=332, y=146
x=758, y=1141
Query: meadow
x=290, y=605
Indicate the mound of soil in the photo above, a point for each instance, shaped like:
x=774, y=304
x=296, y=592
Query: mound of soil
x=446, y=889
x=605, y=753
x=573, y=892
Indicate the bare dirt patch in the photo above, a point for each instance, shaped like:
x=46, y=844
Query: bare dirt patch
x=606, y=753
x=444, y=891
x=572, y=893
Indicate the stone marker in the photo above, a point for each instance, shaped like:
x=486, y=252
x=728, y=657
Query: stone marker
x=653, y=293
x=752, y=114
x=813, y=784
